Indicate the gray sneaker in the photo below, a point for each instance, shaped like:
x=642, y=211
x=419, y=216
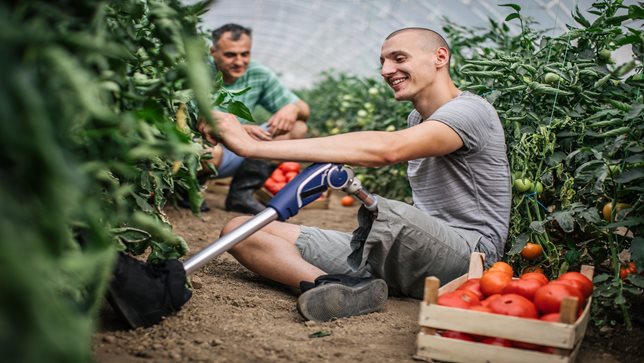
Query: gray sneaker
x=338, y=296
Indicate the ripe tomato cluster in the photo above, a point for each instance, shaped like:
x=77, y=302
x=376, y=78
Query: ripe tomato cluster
x=284, y=173
x=627, y=269
x=532, y=296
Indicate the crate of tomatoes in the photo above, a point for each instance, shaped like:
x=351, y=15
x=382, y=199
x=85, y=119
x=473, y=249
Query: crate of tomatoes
x=284, y=173
x=495, y=315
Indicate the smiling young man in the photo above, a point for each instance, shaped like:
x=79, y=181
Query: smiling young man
x=231, y=53
x=458, y=171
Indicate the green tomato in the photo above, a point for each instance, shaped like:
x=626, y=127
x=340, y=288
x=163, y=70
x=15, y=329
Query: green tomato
x=604, y=55
x=537, y=188
x=522, y=185
x=614, y=169
x=362, y=113
x=373, y=91
x=551, y=78
x=391, y=128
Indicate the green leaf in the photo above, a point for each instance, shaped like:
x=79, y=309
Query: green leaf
x=516, y=7
x=538, y=226
x=628, y=222
x=241, y=91
x=636, y=12
x=635, y=111
x=580, y=18
x=636, y=280
x=565, y=220
x=239, y=109
x=637, y=252
x=320, y=334
x=512, y=16
x=600, y=278
x=519, y=243
x=628, y=176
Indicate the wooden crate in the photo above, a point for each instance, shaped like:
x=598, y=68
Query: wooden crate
x=565, y=338
x=321, y=203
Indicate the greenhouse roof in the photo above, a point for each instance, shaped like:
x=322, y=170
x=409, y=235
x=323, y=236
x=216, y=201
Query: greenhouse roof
x=300, y=39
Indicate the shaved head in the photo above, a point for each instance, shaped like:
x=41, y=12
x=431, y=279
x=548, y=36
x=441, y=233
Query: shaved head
x=427, y=38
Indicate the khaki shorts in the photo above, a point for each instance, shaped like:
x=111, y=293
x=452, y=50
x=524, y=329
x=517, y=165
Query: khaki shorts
x=401, y=244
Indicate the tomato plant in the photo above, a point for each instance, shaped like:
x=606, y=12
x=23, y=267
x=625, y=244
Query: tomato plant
x=102, y=137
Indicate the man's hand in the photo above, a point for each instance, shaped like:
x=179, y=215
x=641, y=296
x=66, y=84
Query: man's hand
x=257, y=133
x=283, y=120
x=207, y=132
x=230, y=132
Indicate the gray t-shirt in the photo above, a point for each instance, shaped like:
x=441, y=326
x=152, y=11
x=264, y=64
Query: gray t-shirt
x=468, y=189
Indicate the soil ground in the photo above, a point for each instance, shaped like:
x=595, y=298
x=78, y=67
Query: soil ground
x=236, y=316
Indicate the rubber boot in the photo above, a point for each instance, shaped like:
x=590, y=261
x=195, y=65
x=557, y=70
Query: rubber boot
x=250, y=176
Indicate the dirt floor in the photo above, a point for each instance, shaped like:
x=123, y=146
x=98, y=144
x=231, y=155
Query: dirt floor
x=237, y=316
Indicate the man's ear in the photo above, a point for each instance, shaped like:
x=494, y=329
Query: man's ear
x=212, y=50
x=442, y=57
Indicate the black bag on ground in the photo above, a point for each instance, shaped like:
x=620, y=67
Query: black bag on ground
x=145, y=293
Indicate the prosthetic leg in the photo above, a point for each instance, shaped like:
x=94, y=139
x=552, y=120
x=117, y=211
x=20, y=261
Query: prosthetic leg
x=143, y=294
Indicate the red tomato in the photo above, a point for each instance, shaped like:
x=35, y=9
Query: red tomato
x=497, y=341
x=270, y=185
x=489, y=299
x=502, y=266
x=548, y=298
x=459, y=299
x=493, y=282
x=531, y=251
x=553, y=317
x=279, y=186
x=474, y=286
x=278, y=176
x=585, y=283
x=525, y=288
x=536, y=276
x=481, y=308
x=632, y=268
x=290, y=175
x=457, y=335
x=623, y=273
x=514, y=305
x=347, y=201
x=289, y=166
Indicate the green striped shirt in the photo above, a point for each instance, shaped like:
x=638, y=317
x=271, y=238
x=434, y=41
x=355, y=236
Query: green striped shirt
x=266, y=89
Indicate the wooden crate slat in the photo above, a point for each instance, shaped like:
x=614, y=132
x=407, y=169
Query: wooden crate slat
x=526, y=330
x=455, y=350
